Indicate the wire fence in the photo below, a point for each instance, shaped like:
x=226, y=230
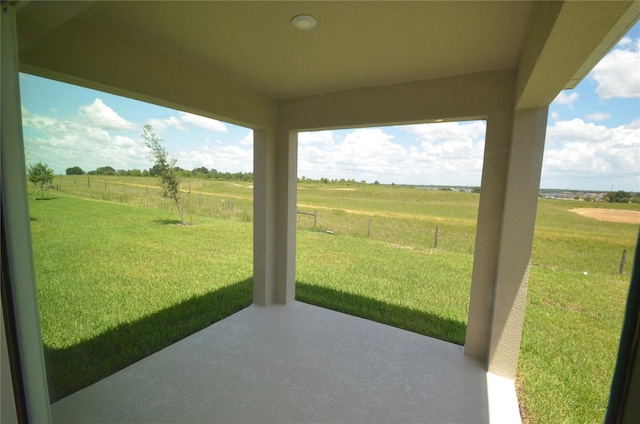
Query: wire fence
x=419, y=233
x=195, y=203
x=426, y=234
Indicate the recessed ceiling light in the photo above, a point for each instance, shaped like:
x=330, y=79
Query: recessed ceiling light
x=304, y=22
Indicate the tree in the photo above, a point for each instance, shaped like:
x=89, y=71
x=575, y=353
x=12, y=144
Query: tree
x=619, y=196
x=40, y=174
x=156, y=170
x=106, y=170
x=74, y=170
x=163, y=167
x=200, y=170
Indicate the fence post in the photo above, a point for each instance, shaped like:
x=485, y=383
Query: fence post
x=315, y=218
x=623, y=260
x=435, y=242
x=88, y=181
x=369, y=228
x=105, y=185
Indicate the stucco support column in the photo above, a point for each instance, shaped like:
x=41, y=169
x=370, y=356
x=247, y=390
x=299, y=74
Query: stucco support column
x=19, y=297
x=274, y=211
x=506, y=220
x=263, y=216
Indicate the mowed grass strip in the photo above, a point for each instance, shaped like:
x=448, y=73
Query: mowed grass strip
x=117, y=282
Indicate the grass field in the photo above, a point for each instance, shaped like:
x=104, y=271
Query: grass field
x=117, y=281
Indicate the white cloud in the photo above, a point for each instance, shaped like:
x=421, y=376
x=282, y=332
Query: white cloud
x=102, y=116
x=598, y=116
x=555, y=115
x=202, y=122
x=180, y=123
x=633, y=125
x=583, y=153
x=65, y=143
x=566, y=99
x=319, y=137
x=86, y=141
x=247, y=140
x=163, y=124
x=449, y=131
x=448, y=153
x=625, y=41
x=617, y=73
x=362, y=154
x=121, y=141
x=229, y=158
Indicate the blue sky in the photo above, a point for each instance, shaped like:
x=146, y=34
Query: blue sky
x=593, y=136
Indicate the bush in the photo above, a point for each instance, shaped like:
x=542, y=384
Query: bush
x=74, y=170
x=105, y=170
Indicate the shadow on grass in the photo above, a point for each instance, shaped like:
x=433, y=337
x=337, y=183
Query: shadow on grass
x=168, y=221
x=397, y=316
x=78, y=366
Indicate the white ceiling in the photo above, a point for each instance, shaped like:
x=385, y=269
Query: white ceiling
x=250, y=52
x=355, y=44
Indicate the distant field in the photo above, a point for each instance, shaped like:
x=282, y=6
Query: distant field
x=117, y=281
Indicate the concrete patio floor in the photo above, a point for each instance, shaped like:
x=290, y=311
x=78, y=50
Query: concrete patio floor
x=298, y=363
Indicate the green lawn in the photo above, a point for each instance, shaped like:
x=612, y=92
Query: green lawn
x=118, y=281
x=419, y=291
x=574, y=312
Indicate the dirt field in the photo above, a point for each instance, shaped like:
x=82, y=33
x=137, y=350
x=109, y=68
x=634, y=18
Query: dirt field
x=611, y=215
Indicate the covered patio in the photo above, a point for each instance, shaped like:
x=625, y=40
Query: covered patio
x=363, y=64
x=298, y=363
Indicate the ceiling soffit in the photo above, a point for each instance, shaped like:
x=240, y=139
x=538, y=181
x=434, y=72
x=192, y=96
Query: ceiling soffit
x=354, y=45
x=177, y=53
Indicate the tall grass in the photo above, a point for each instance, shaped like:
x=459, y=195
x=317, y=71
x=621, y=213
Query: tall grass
x=200, y=197
x=401, y=216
